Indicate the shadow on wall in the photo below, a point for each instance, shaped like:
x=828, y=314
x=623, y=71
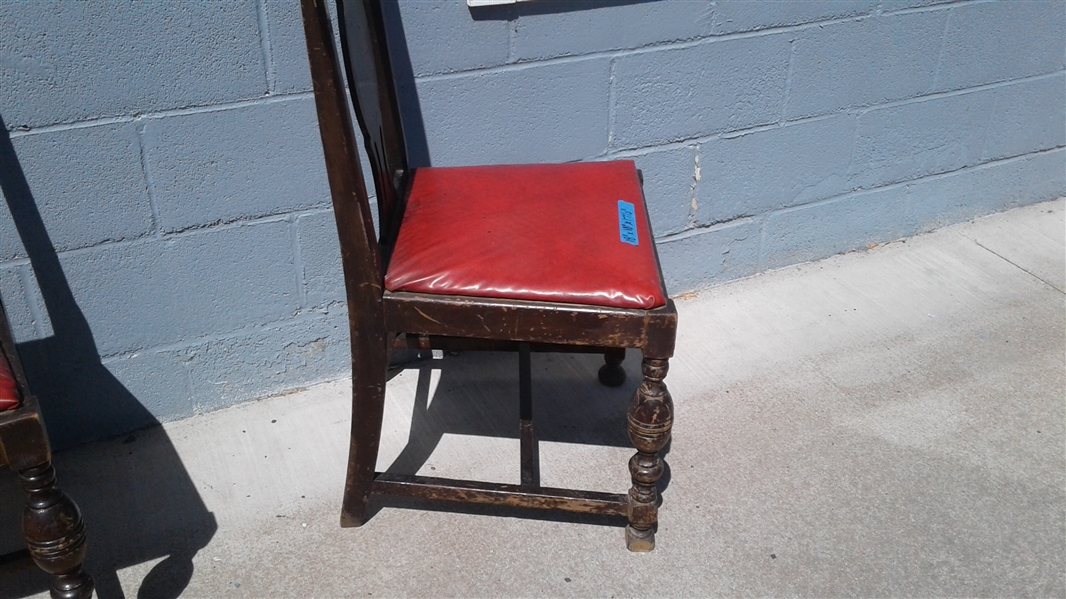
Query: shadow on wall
x=66, y=374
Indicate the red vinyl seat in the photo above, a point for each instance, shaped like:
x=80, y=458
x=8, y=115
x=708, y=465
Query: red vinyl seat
x=574, y=233
x=9, y=393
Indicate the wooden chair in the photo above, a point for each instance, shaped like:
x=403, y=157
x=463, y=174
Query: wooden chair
x=528, y=258
x=51, y=523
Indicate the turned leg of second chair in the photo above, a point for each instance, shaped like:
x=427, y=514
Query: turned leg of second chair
x=650, y=417
x=54, y=533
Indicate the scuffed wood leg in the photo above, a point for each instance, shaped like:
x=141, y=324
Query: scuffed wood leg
x=651, y=414
x=55, y=534
x=611, y=373
x=368, y=406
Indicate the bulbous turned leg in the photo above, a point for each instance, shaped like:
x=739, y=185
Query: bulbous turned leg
x=54, y=533
x=651, y=415
x=611, y=373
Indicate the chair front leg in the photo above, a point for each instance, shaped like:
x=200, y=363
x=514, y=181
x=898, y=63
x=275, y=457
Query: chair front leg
x=651, y=415
x=55, y=534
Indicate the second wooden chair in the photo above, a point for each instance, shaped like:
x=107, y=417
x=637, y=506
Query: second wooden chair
x=547, y=257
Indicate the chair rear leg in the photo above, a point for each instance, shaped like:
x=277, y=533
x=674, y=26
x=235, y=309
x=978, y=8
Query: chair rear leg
x=55, y=534
x=611, y=373
x=650, y=417
x=368, y=406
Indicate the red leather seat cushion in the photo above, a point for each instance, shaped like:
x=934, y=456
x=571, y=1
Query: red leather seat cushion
x=547, y=232
x=9, y=393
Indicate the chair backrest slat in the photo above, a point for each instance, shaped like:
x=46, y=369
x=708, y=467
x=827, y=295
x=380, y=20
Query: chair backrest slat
x=373, y=92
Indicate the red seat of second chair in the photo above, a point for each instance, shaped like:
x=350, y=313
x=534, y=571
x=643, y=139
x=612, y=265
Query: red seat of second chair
x=9, y=393
x=573, y=233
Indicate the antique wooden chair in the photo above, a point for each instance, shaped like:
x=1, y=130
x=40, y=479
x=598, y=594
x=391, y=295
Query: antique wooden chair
x=51, y=522
x=553, y=257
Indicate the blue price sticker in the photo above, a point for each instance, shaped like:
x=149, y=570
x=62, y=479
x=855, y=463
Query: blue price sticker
x=627, y=223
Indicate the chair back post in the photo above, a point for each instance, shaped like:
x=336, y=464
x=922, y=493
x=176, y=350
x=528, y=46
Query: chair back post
x=373, y=91
x=360, y=253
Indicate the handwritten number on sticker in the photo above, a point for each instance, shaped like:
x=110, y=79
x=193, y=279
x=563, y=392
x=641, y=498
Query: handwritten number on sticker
x=627, y=223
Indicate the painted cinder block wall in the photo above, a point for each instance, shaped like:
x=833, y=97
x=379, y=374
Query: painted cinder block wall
x=170, y=156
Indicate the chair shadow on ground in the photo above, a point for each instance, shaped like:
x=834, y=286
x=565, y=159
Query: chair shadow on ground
x=477, y=396
x=152, y=509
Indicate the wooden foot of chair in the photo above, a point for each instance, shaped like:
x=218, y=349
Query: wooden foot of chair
x=651, y=415
x=55, y=534
x=611, y=373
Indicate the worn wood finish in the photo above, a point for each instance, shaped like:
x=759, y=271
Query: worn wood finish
x=381, y=320
x=360, y=260
x=650, y=418
x=538, y=322
x=23, y=440
x=55, y=534
x=528, y=458
x=427, y=342
x=465, y=491
x=51, y=522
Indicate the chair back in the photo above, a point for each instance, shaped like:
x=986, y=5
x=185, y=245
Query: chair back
x=361, y=256
x=373, y=93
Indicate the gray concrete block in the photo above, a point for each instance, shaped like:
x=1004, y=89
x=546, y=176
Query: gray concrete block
x=670, y=181
x=773, y=169
x=68, y=62
x=270, y=359
x=85, y=400
x=246, y=162
x=986, y=189
x=157, y=379
x=291, y=72
x=917, y=139
x=1029, y=116
x=998, y=41
x=571, y=27
x=543, y=113
x=704, y=257
x=835, y=226
x=731, y=16
x=862, y=63
x=685, y=93
x=443, y=36
x=320, y=259
x=17, y=300
x=152, y=293
x=87, y=185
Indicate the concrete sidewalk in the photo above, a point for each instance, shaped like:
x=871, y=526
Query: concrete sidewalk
x=882, y=423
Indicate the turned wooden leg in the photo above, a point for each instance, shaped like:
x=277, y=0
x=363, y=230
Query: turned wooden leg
x=611, y=373
x=368, y=407
x=54, y=533
x=651, y=414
